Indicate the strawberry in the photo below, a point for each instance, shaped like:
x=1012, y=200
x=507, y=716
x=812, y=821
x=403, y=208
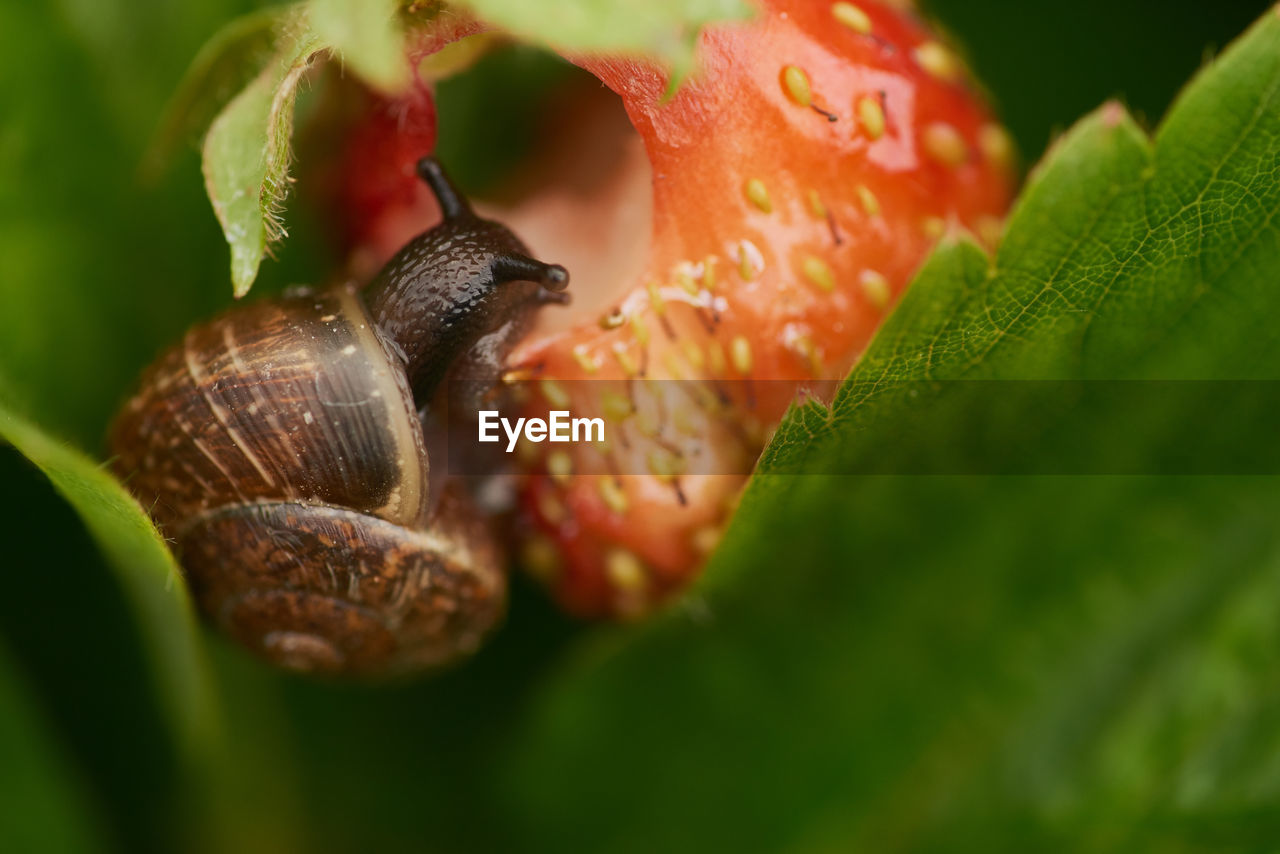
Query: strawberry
x=379, y=202
x=798, y=181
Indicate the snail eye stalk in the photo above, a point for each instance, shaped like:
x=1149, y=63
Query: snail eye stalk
x=452, y=203
x=521, y=268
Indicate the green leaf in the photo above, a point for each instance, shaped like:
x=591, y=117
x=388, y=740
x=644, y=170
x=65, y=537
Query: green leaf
x=45, y=805
x=247, y=153
x=247, y=150
x=366, y=36
x=144, y=568
x=667, y=29
x=981, y=662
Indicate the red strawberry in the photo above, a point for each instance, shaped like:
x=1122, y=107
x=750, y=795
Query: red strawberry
x=798, y=182
x=379, y=201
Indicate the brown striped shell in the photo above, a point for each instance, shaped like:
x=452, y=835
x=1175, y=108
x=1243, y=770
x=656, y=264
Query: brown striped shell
x=279, y=446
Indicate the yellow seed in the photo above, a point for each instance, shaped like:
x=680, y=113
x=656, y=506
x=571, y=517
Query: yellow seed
x=554, y=393
x=551, y=508
x=802, y=345
x=625, y=571
x=934, y=227
x=616, y=407
x=991, y=230
x=815, y=362
x=625, y=360
x=585, y=360
x=527, y=453
x=613, y=319
x=871, y=113
x=870, y=203
x=540, y=559
x=818, y=273
x=758, y=194
x=640, y=329
x=707, y=398
x=996, y=145
x=559, y=466
x=612, y=495
x=944, y=144
x=687, y=278
x=875, y=287
x=664, y=465
x=816, y=205
x=732, y=500
x=740, y=354
x=852, y=17
x=685, y=422
x=671, y=361
x=693, y=354
x=647, y=423
x=938, y=61
x=796, y=84
x=521, y=393
x=715, y=358
x=709, y=272
x=515, y=376
x=750, y=261
x=655, y=299
x=706, y=539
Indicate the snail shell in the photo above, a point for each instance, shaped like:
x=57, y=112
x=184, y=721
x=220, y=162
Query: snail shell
x=281, y=447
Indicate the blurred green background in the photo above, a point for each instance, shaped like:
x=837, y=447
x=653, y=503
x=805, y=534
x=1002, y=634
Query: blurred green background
x=97, y=271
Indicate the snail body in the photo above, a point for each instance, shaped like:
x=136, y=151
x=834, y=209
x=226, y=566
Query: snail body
x=281, y=447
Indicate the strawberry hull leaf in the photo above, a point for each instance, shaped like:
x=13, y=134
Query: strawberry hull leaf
x=246, y=159
x=663, y=29
x=1081, y=662
x=366, y=37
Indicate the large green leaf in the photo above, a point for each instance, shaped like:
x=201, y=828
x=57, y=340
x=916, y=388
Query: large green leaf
x=964, y=663
x=45, y=805
x=145, y=569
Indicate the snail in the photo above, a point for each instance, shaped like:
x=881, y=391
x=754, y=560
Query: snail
x=281, y=447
